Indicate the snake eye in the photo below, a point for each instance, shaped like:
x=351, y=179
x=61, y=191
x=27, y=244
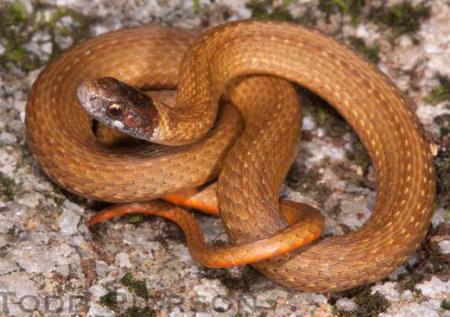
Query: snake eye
x=114, y=110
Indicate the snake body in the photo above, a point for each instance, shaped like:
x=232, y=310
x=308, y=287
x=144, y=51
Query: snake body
x=59, y=135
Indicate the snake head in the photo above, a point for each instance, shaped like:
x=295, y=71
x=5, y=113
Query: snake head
x=119, y=106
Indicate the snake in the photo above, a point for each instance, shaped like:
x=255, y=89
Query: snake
x=203, y=68
x=162, y=162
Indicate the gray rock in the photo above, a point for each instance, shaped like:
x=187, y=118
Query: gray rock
x=434, y=288
x=394, y=275
x=20, y=284
x=311, y=298
x=44, y=259
x=30, y=199
x=123, y=260
x=388, y=289
x=207, y=290
x=444, y=246
x=7, y=266
x=97, y=291
x=8, y=162
x=414, y=310
x=407, y=295
x=354, y=213
x=95, y=310
x=68, y=222
x=345, y=304
x=438, y=217
x=48, y=247
x=7, y=138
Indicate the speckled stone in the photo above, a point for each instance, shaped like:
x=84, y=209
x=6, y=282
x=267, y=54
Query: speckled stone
x=46, y=248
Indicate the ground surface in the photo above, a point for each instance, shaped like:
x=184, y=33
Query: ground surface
x=51, y=264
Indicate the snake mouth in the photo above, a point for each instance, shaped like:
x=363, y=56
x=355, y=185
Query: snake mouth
x=90, y=100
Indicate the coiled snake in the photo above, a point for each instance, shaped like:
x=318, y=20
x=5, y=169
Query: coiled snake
x=60, y=136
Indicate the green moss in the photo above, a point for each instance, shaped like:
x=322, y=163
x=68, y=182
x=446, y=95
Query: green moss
x=14, y=21
x=371, y=52
x=17, y=28
x=55, y=195
x=440, y=93
x=13, y=232
x=445, y=304
x=443, y=122
x=368, y=304
x=442, y=163
x=403, y=18
x=135, y=218
x=6, y=188
x=138, y=287
x=263, y=9
x=81, y=22
x=78, y=31
x=197, y=6
x=138, y=312
x=359, y=156
x=109, y=300
x=295, y=175
x=371, y=304
x=447, y=215
x=20, y=57
x=59, y=200
x=411, y=281
x=334, y=311
x=437, y=264
x=246, y=279
x=353, y=8
x=323, y=114
x=14, y=12
x=307, y=182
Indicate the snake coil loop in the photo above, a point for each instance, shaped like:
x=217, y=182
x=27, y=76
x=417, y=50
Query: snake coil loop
x=59, y=136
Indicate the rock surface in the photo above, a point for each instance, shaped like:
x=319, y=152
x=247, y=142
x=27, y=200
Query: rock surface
x=51, y=264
